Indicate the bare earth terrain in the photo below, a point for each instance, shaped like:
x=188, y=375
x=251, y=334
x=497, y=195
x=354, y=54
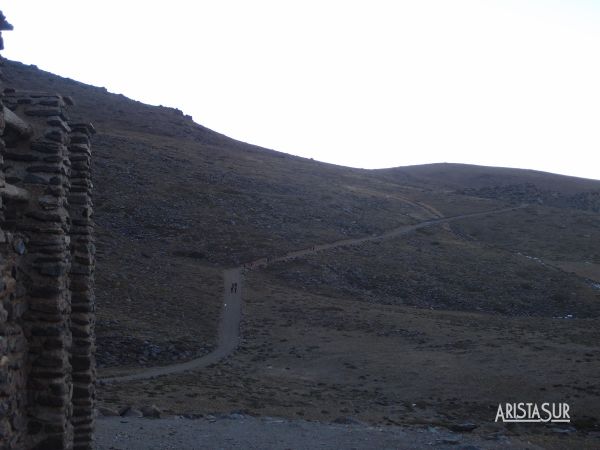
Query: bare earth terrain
x=313, y=357
x=237, y=431
x=420, y=334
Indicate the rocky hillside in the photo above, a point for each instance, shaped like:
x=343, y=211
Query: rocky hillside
x=176, y=202
x=466, y=176
x=531, y=193
x=434, y=328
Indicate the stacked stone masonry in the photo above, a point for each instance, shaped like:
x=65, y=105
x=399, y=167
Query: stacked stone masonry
x=47, y=369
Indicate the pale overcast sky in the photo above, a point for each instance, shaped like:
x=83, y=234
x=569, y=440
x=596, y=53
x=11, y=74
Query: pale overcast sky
x=359, y=83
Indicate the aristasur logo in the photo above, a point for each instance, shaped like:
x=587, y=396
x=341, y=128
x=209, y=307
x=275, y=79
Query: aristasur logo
x=532, y=413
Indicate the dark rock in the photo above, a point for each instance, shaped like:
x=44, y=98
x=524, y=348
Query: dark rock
x=34, y=179
x=132, y=412
x=465, y=427
x=56, y=121
x=43, y=111
x=14, y=156
x=19, y=246
x=47, y=168
x=151, y=411
x=107, y=412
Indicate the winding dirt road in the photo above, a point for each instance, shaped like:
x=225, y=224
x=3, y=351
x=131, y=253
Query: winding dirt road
x=229, y=327
x=229, y=330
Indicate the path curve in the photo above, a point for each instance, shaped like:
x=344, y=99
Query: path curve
x=229, y=330
x=229, y=327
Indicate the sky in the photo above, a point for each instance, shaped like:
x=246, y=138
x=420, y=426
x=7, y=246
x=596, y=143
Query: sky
x=367, y=84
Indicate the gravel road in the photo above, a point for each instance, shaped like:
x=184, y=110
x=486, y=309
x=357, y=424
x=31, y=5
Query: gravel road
x=237, y=431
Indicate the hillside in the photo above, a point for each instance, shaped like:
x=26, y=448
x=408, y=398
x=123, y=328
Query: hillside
x=365, y=331
x=466, y=176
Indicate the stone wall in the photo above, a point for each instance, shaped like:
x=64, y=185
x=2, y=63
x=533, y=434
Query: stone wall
x=47, y=369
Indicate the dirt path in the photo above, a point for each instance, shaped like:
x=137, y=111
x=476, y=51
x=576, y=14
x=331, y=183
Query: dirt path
x=228, y=334
x=263, y=262
x=232, y=296
x=428, y=210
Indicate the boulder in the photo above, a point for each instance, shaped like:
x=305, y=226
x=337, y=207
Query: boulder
x=152, y=412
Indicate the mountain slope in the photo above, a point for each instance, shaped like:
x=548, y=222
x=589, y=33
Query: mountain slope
x=174, y=200
x=176, y=203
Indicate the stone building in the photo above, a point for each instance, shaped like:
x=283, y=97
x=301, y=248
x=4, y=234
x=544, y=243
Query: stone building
x=47, y=369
